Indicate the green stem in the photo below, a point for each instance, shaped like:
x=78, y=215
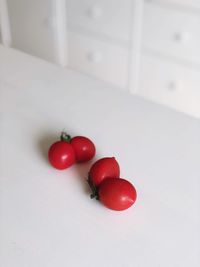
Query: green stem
x=65, y=137
x=93, y=188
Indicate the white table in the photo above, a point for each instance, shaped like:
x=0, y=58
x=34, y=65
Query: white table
x=46, y=216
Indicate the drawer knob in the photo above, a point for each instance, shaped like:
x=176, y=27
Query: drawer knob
x=173, y=86
x=94, y=57
x=95, y=12
x=180, y=37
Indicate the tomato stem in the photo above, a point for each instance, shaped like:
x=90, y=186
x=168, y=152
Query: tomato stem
x=93, y=188
x=65, y=137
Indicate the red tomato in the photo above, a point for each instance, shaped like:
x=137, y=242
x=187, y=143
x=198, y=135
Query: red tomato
x=83, y=147
x=117, y=194
x=61, y=155
x=102, y=169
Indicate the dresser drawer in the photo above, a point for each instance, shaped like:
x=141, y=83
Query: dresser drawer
x=108, y=17
x=184, y=3
x=102, y=60
x=32, y=27
x=172, y=32
x=170, y=84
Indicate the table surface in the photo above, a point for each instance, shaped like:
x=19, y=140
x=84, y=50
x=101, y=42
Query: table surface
x=47, y=217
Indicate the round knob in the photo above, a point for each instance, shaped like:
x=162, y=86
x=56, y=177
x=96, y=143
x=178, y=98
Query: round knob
x=95, y=56
x=180, y=37
x=95, y=12
x=173, y=86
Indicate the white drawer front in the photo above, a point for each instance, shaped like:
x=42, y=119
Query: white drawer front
x=172, y=32
x=108, y=17
x=104, y=61
x=32, y=28
x=184, y=3
x=170, y=84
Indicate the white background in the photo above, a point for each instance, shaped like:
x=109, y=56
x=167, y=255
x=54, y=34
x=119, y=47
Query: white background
x=47, y=217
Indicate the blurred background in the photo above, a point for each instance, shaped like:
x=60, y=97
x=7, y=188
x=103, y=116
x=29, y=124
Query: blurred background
x=146, y=47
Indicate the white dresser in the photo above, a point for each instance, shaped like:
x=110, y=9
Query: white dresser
x=102, y=43
x=99, y=38
x=170, y=55
x=33, y=27
x=145, y=47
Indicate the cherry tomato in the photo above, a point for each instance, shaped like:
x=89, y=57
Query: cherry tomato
x=102, y=169
x=83, y=147
x=61, y=155
x=117, y=194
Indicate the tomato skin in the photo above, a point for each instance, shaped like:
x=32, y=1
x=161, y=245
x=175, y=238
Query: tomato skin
x=102, y=169
x=61, y=155
x=117, y=194
x=84, y=148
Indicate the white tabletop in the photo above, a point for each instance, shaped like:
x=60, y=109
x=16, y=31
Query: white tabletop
x=46, y=216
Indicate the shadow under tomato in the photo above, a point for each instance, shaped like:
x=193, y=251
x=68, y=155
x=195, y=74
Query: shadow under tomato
x=44, y=143
x=82, y=170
